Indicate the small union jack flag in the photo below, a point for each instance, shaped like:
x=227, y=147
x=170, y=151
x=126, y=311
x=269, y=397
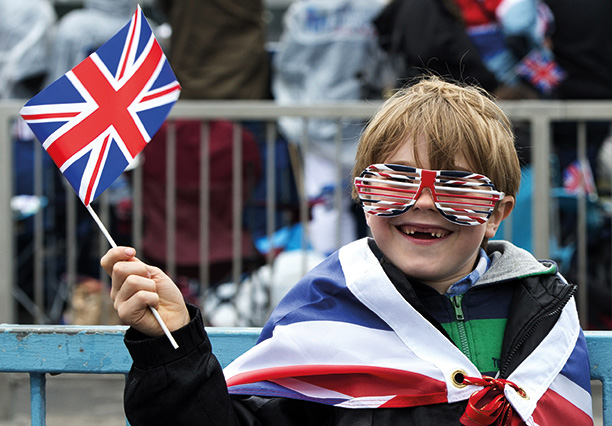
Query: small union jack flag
x=540, y=68
x=97, y=117
x=578, y=179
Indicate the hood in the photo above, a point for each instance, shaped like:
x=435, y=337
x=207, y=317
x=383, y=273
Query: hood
x=511, y=262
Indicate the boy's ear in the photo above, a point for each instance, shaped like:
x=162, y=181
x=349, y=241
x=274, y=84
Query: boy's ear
x=367, y=218
x=501, y=212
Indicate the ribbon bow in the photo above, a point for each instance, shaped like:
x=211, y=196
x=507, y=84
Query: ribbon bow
x=489, y=405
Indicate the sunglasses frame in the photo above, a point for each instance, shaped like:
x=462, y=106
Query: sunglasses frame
x=458, y=182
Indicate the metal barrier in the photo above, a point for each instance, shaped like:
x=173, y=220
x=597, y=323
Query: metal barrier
x=94, y=350
x=538, y=114
x=98, y=350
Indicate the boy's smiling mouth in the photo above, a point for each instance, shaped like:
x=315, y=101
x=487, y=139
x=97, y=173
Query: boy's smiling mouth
x=424, y=232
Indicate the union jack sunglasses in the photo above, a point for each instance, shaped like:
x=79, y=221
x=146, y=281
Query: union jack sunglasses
x=463, y=198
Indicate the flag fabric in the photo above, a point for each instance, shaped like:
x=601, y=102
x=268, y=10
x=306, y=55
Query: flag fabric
x=578, y=178
x=541, y=70
x=96, y=118
x=345, y=337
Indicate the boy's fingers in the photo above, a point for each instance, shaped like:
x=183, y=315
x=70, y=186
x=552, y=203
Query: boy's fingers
x=135, y=309
x=115, y=255
x=132, y=285
x=128, y=272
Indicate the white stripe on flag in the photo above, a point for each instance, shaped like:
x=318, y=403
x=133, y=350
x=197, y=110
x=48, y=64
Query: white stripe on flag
x=365, y=402
x=310, y=390
x=573, y=393
x=331, y=343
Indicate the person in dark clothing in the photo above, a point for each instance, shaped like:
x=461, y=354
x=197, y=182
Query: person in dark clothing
x=217, y=48
x=428, y=37
x=425, y=323
x=582, y=44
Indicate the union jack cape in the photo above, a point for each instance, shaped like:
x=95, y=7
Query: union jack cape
x=344, y=336
x=96, y=118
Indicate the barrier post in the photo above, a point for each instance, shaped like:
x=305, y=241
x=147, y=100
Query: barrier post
x=7, y=302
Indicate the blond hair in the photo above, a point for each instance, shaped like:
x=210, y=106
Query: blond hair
x=454, y=121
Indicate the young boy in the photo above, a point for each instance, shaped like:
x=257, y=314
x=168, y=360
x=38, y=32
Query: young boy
x=426, y=323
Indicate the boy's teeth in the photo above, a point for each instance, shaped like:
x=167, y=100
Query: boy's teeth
x=434, y=234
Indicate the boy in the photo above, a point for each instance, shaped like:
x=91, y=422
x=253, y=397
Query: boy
x=426, y=323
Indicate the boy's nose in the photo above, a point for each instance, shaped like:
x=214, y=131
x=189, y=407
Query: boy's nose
x=425, y=199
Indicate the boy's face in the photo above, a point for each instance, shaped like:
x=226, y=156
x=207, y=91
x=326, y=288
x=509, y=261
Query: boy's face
x=422, y=243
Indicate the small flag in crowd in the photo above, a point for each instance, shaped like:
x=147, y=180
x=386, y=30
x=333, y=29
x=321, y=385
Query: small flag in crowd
x=578, y=179
x=96, y=118
x=540, y=68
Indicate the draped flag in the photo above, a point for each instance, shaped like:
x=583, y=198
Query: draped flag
x=96, y=118
x=344, y=336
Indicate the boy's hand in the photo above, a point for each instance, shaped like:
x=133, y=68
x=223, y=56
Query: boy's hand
x=137, y=286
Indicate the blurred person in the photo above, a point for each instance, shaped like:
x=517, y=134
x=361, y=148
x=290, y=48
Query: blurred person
x=217, y=51
x=513, y=39
x=82, y=30
x=428, y=36
x=26, y=38
x=187, y=225
x=25, y=42
x=582, y=43
x=217, y=48
x=323, y=52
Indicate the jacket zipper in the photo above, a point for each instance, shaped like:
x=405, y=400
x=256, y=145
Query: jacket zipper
x=460, y=321
x=563, y=301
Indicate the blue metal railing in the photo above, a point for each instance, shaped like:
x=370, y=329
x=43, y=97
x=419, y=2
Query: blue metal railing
x=93, y=350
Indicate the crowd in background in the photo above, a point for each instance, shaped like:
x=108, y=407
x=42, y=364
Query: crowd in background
x=328, y=50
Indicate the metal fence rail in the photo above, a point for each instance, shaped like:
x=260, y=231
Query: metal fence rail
x=44, y=350
x=537, y=114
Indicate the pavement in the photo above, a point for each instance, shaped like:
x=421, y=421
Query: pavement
x=97, y=399
x=72, y=399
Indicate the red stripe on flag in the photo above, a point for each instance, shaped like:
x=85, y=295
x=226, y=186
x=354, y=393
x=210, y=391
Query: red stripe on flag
x=375, y=381
x=93, y=179
x=49, y=116
x=357, y=381
x=554, y=410
x=174, y=88
x=129, y=46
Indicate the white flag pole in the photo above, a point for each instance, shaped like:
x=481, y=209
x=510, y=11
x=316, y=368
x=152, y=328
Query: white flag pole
x=114, y=245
